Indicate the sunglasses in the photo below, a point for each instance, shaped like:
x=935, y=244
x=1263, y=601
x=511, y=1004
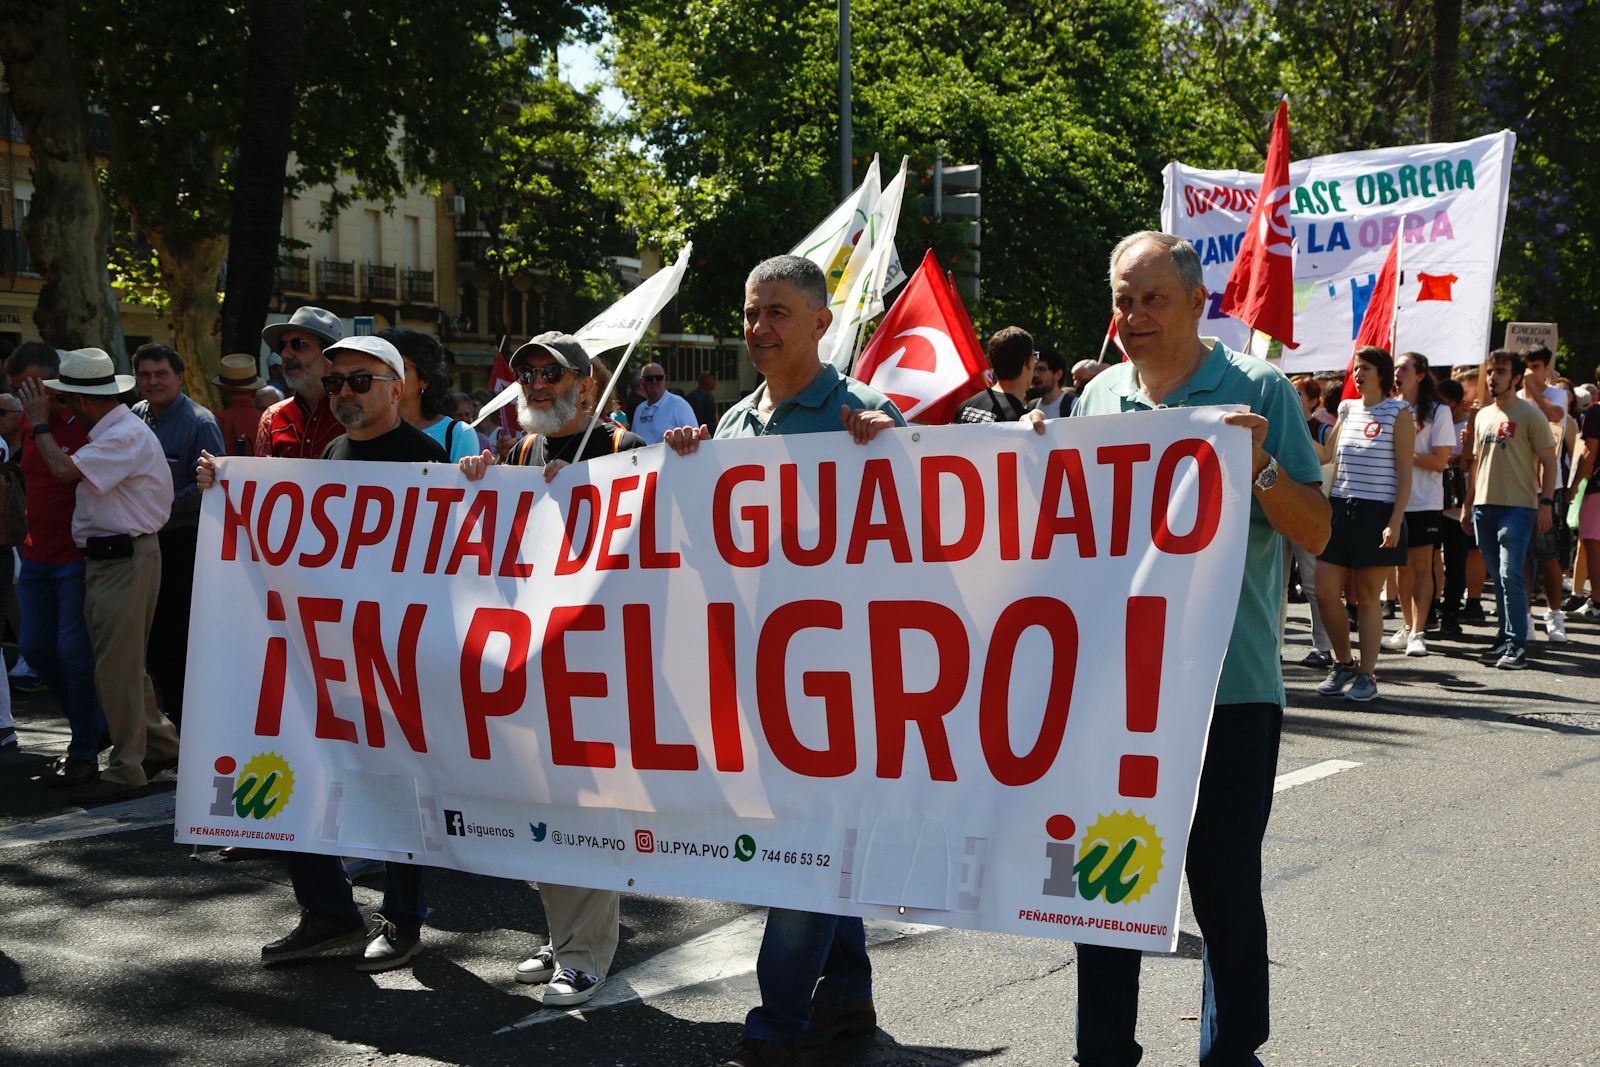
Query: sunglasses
x=551, y=373
x=299, y=344
x=655, y=377
x=359, y=382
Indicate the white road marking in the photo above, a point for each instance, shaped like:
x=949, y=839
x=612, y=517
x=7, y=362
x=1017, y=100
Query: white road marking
x=726, y=952
x=1311, y=773
x=138, y=814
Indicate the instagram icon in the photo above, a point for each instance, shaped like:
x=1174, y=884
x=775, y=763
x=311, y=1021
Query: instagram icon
x=644, y=840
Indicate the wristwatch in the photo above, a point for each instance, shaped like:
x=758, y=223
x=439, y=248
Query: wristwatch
x=1548, y=500
x=41, y=427
x=1268, y=476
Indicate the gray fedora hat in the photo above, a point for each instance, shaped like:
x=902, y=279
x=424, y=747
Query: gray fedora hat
x=313, y=320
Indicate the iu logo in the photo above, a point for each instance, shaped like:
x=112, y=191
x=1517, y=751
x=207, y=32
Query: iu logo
x=454, y=824
x=260, y=791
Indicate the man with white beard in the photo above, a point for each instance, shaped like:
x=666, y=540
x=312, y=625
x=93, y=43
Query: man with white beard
x=555, y=405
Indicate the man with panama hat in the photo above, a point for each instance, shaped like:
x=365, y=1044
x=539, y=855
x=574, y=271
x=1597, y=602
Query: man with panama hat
x=239, y=417
x=124, y=496
x=302, y=426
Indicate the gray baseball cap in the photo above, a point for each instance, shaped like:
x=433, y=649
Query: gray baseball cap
x=564, y=348
x=323, y=324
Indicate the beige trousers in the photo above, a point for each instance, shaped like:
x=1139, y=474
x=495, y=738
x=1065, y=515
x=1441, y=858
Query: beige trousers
x=583, y=926
x=119, y=603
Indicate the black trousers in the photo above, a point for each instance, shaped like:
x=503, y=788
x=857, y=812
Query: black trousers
x=167, y=651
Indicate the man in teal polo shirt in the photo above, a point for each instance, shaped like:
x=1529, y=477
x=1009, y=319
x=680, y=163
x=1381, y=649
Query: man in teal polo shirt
x=1159, y=296
x=815, y=978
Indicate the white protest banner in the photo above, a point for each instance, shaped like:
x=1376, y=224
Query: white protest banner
x=963, y=671
x=1451, y=199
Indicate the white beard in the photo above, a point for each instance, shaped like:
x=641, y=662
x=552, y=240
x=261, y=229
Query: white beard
x=547, y=421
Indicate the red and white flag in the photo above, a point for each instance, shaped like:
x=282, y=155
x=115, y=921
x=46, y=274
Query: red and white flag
x=925, y=355
x=500, y=380
x=1377, y=325
x=1112, y=338
x=1260, y=290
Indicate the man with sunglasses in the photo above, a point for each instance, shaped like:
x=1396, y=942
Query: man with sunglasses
x=555, y=407
x=364, y=383
x=661, y=411
x=302, y=426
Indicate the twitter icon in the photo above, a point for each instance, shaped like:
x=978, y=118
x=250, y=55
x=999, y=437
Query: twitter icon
x=538, y=830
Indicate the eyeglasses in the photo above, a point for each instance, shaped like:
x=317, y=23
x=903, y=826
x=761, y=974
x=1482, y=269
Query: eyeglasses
x=299, y=344
x=359, y=382
x=655, y=377
x=550, y=372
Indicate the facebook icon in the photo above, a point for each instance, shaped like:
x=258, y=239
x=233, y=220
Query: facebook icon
x=454, y=824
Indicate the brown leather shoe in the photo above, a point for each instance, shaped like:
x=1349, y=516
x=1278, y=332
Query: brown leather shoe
x=835, y=1022
x=67, y=773
x=153, y=767
x=101, y=791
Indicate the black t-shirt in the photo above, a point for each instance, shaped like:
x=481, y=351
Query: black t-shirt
x=991, y=405
x=403, y=444
x=607, y=438
x=1591, y=428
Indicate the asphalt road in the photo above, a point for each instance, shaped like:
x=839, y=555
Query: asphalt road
x=1431, y=872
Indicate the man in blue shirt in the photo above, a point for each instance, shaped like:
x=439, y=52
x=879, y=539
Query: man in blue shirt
x=1159, y=297
x=185, y=429
x=815, y=978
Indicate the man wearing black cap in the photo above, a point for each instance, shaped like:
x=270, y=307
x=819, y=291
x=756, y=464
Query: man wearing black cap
x=303, y=425
x=364, y=383
x=555, y=406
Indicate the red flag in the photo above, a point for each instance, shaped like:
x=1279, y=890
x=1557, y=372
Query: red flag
x=1377, y=325
x=925, y=355
x=1260, y=290
x=499, y=378
x=1112, y=338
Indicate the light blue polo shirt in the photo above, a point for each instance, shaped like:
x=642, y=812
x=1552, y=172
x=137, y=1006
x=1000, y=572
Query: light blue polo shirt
x=814, y=410
x=1251, y=672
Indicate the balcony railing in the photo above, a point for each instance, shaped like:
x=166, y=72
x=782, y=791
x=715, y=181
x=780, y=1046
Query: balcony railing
x=379, y=282
x=14, y=255
x=294, y=274
x=417, y=286
x=336, y=277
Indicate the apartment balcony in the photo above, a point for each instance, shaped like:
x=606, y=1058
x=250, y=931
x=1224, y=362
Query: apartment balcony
x=14, y=255
x=379, y=283
x=294, y=274
x=416, y=286
x=336, y=277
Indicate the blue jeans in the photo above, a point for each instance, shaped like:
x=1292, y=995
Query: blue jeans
x=798, y=949
x=1224, y=869
x=1503, y=536
x=322, y=888
x=55, y=642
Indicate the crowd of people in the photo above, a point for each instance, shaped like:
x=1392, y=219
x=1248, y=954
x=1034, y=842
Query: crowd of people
x=1405, y=499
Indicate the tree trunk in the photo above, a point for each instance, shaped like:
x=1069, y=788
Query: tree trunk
x=189, y=271
x=1442, y=70
x=277, y=37
x=69, y=225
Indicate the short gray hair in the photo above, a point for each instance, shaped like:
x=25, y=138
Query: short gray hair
x=1185, y=260
x=797, y=271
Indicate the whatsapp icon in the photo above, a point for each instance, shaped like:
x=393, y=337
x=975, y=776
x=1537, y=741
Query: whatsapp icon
x=744, y=849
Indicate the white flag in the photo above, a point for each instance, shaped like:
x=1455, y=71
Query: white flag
x=831, y=245
x=620, y=325
x=866, y=275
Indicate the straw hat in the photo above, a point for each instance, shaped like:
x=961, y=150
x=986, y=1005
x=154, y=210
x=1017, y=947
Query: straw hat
x=89, y=370
x=238, y=371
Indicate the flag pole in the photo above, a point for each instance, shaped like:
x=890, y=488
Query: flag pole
x=600, y=404
x=1105, y=343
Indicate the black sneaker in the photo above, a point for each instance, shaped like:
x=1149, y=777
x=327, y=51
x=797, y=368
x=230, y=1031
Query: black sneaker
x=1497, y=651
x=754, y=1053
x=1472, y=611
x=387, y=947
x=1391, y=609
x=311, y=937
x=570, y=987
x=1514, y=659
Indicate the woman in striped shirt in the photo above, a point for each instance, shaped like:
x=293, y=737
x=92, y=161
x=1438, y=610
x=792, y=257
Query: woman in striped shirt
x=1371, y=447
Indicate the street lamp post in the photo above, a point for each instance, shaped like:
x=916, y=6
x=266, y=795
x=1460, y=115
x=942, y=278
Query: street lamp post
x=846, y=170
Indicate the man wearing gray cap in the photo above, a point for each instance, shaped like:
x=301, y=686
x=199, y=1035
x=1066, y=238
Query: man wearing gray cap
x=124, y=496
x=303, y=425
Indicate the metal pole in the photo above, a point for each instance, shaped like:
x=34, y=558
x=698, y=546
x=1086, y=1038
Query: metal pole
x=846, y=170
x=938, y=182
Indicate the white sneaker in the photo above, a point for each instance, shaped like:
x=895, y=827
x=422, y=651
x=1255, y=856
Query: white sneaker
x=538, y=967
x=1590, y=610
x=1555, y=626
x=1416, y=646
x=1397, y=640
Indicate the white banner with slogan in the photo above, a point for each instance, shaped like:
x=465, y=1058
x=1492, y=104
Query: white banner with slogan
x=964, y=672
x=1346, y=210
